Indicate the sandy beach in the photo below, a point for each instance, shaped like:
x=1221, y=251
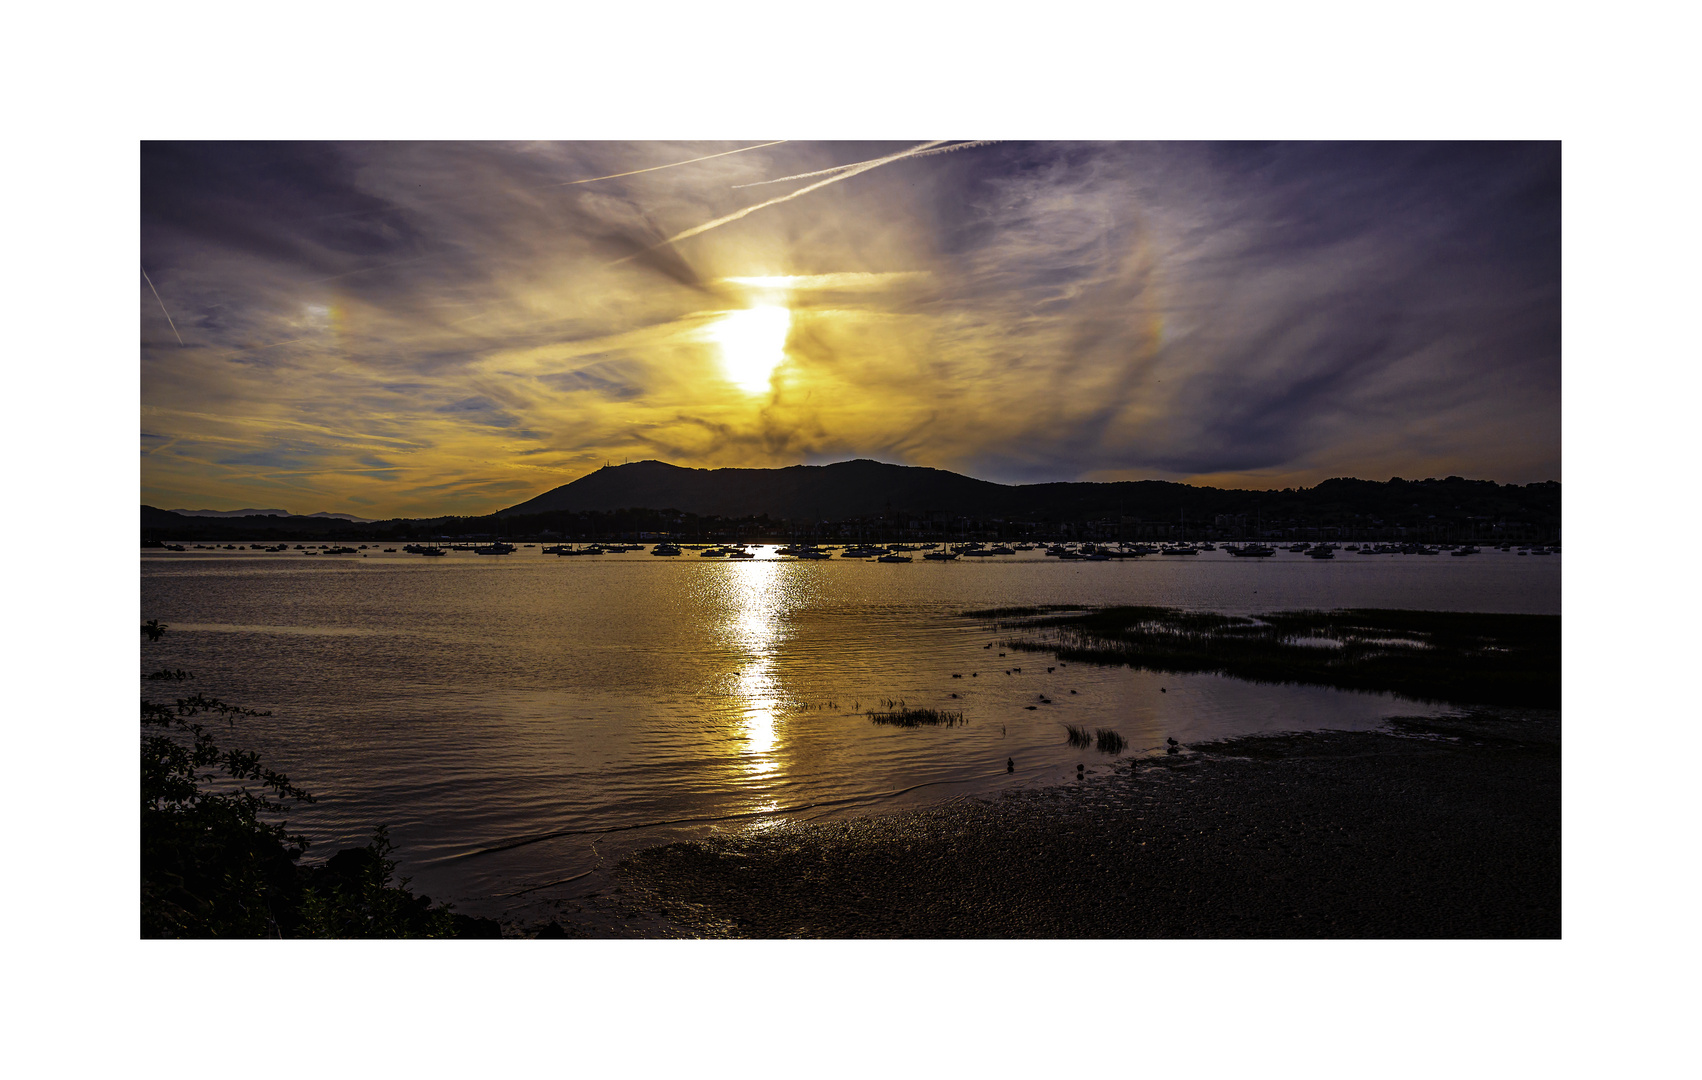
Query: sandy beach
x=1435, y=828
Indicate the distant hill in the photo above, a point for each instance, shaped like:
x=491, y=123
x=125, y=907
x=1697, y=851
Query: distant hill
x=266, y=513
x=231, y=513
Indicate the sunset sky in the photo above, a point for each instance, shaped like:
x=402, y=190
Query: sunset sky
x=409, y=329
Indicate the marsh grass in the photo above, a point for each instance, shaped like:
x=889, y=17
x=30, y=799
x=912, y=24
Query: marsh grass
x=1108, y=741
x=1018, y=612
x=1441, y=656
x=905, y=717
x=1078, y=737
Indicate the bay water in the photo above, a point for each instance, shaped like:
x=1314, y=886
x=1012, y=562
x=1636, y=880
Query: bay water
x=521, y=721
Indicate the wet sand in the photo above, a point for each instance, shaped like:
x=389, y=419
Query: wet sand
x=1435, y=828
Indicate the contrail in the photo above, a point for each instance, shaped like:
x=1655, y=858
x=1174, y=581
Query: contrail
x=850, y=171
x=156, y=293
x=670, y=165
x=546, y=187
x=841, y=168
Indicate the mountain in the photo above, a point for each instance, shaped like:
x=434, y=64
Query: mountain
x=656, y=496
x=866, y=489
x=845, y=489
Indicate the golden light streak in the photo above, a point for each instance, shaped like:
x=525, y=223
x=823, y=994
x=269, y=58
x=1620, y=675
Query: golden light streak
x=753, y=627
x=830, y=281
x=356, y=439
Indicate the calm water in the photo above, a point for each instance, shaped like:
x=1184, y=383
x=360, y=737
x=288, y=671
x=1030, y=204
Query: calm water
x=473, y=702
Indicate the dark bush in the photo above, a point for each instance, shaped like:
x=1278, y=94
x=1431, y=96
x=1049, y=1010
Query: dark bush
x=218, y=861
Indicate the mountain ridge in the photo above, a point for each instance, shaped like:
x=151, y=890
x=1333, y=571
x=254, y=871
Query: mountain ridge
x=862, y=488
x=856, y=488
x=862, y=494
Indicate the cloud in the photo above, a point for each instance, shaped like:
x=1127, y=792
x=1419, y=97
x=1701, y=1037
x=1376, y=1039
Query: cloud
x=438, y=327
x=836, y=282
x=611, y=380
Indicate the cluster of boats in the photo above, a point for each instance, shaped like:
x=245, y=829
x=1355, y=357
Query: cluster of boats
x=1326, y=551
x=731, y=551
x=887, y=553
x=902, y=553
x=593, y=549
x=274, y=549
x=1096, y=553
x=232, y=547
x=498, y=548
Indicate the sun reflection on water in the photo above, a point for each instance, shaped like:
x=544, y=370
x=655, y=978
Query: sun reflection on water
x=757, y=720
x=758, y=596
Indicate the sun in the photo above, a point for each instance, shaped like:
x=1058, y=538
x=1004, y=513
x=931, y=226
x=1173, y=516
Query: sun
x=753, y=344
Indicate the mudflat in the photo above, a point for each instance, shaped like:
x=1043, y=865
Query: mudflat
x=1433, y=828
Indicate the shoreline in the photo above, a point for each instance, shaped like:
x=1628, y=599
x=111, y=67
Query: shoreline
x=1432, y=827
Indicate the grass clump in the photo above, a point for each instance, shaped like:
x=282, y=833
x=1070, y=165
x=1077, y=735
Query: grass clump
x=1019, y=612
x=1078, y=737
x=1108, y=741
x=1443, y=656
x=907, y=717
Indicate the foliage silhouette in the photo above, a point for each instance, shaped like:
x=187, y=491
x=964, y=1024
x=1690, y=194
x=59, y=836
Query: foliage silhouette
x=351, y=897
x=218, y=861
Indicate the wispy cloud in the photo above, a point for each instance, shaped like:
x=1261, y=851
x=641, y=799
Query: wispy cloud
x=1025, y=311
x=812, y=282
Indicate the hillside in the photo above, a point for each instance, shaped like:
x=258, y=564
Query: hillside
x=866, y=489
x=845, y=489
x=658, y=497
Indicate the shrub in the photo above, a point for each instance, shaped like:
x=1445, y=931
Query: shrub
x=218, y=861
